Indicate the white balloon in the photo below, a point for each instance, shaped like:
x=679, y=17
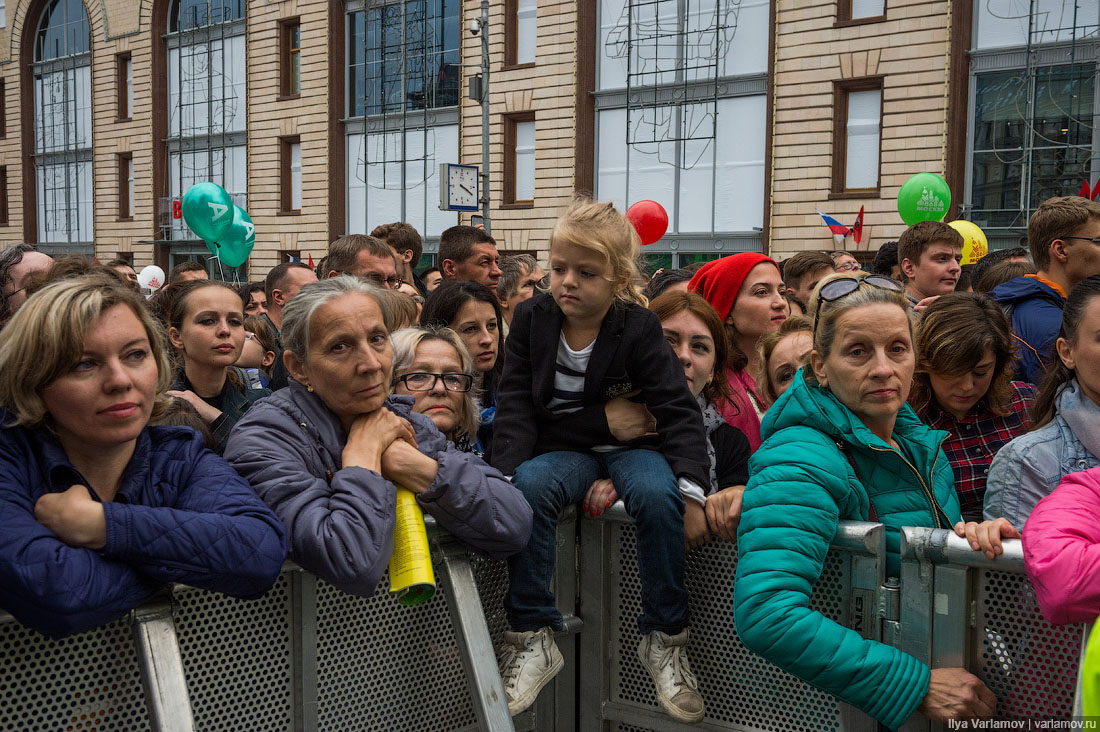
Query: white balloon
x=151, y=277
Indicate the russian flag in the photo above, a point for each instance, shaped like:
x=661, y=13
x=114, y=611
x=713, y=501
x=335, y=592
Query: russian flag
x=839, y=230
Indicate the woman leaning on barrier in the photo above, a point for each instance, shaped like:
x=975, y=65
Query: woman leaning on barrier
x=842, y=444
x=98, y=508
x=327, y=451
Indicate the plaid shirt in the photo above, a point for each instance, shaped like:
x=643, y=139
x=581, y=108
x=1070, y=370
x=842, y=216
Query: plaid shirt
x=975, y=440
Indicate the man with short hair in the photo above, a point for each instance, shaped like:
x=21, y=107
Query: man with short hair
x=986, y=263
x=124, y=268
x=363, y=256
x=281, y=284
x=431, y=278
x=186, y=271
x=469, y=253
x=520, y=275
x=407, y=246
x=1063, y=236
x=803, y=271
x=930, y=256
x=17, y=264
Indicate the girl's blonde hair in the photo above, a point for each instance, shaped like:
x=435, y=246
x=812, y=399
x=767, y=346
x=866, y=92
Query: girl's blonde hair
x=46, y=337
x=600, y=228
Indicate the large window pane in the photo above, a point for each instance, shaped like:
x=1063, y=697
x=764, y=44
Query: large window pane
x=64, y=203
x=1004, y=23
x=525, y=161
x=384, y=187
x=526, y=30
x=862, y=148
x=1048, y=153
x=739, y=197
x=206, y=87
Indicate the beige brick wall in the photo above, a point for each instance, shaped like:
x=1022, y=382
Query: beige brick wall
x=910, y=50
x=548, y=89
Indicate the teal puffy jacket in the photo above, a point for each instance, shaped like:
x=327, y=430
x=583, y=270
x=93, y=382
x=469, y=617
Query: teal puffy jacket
x=802, y=484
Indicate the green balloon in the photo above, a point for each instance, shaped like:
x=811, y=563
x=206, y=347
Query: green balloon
x=237, y=243
x=208, y=210
x=924, y=197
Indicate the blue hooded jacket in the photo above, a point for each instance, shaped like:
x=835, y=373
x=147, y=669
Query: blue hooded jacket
x=1036, y=319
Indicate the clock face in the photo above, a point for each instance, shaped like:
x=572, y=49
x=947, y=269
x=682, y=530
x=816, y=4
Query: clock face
x=462, y=186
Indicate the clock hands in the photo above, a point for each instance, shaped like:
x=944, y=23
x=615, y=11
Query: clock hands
x=465, y=189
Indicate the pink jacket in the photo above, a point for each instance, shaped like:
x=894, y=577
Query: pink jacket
x=740, y=412
x=1062, y=549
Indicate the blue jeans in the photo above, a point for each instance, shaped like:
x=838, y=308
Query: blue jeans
x=643, y=479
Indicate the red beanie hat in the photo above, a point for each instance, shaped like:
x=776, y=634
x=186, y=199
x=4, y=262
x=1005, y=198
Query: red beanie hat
x=720, y=281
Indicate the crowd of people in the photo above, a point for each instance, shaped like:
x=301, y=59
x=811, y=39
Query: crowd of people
x=203, y=434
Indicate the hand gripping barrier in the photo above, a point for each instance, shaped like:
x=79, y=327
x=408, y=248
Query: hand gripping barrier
x=960, y=609
x=306, y=656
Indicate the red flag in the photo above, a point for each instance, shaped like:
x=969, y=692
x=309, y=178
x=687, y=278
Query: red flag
x=857, y=227
x=311, y=261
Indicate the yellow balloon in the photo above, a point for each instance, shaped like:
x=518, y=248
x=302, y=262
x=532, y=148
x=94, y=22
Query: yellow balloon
x=975, y=245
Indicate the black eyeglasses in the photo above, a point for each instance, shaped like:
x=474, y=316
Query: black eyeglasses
x=423, y=381
x=843, y=286
x=1094, y=240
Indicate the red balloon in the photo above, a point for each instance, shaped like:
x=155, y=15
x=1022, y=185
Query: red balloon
x=650, y=220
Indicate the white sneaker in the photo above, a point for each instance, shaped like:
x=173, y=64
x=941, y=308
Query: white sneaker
x=528, y=662
x=665, y=658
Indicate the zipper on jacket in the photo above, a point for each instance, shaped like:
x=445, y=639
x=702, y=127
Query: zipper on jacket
x=936, y=510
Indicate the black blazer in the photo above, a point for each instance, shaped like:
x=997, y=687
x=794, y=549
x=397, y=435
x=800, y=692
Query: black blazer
x=630, y=353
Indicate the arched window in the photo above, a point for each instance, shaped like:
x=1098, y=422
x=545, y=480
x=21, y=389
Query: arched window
x=206, y=103
x=63, y=126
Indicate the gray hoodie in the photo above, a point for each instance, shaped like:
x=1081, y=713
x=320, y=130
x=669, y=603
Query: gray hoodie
x=340, y=521
x=1029, y=467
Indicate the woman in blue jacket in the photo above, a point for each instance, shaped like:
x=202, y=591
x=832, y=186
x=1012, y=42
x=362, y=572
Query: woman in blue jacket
x=842, y=444
x=99, y=509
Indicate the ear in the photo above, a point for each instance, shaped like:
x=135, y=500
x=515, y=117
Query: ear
x=174, y=339
x=407, y=256
x=331, y=273
x=1058, y=251
x=1065, y=352
x=268, y=359
x=449, y=269
x=817, y=363
x=277, y=298
x=295, y=368
x=908, y=268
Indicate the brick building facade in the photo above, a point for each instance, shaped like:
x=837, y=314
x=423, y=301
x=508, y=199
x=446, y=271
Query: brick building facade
x=325, y=117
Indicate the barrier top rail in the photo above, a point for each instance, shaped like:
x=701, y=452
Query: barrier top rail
x=942, y=546
x=859, y=536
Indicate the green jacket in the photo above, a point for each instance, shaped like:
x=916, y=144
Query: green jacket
x=802, y=484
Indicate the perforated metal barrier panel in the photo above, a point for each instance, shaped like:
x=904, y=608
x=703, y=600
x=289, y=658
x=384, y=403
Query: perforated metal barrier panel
x=84, y=683
x=237, y=658
x=382, y=666
x=1028, y=663
x=740, y=689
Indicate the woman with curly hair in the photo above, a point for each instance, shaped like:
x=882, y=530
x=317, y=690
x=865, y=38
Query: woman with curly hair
x=963, y=385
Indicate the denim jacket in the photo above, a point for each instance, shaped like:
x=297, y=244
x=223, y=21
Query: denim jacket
x=1029, y=467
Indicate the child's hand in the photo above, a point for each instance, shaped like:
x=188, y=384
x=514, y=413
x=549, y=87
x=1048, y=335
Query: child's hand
x=696, y=530
x=599, y=498
x=724, y=511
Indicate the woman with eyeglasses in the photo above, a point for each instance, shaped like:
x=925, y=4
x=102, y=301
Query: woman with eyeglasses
x=473, y=312
x=843, y=444
x=431, y=365
x=327, y=452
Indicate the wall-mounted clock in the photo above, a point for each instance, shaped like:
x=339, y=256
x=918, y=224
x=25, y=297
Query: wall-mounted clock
x=460, y=187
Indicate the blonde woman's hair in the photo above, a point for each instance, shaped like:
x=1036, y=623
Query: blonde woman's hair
x=46, y=337
x=405, y=342
x=600, y=228
x=825, y=331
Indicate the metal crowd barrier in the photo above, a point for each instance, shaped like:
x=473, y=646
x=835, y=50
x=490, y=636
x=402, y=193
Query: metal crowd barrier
x=309, y=657
x=961, y=609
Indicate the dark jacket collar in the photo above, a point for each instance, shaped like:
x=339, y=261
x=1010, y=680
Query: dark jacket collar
x=59, y=472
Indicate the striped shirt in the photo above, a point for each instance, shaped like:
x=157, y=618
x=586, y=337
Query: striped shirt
x=569, y=370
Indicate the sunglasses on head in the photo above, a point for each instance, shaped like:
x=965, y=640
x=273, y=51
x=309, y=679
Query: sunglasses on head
x=843, y=286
